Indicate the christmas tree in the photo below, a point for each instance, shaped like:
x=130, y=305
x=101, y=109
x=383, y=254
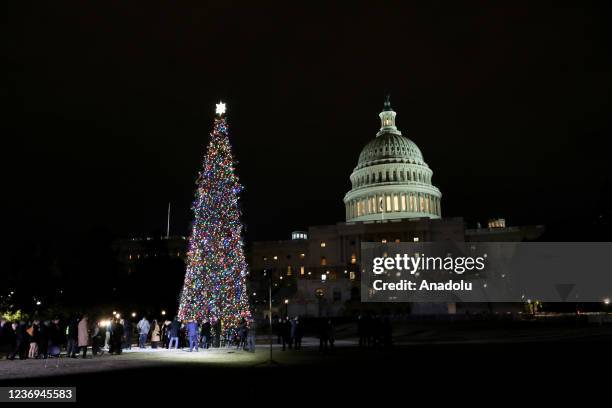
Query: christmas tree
x=215, y=286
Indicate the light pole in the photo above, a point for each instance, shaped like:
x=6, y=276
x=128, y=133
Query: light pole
x=286, y=307
x=270, y=316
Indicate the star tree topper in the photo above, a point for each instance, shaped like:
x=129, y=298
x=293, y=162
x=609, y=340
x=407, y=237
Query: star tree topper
x=220, y=108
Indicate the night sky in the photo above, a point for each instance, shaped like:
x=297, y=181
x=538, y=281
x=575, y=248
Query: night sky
x=108, y=106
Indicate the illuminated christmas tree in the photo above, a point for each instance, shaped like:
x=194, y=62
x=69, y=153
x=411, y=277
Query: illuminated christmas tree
x=215, y=286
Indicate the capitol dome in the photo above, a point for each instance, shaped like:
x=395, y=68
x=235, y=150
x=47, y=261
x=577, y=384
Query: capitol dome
x=391, y=180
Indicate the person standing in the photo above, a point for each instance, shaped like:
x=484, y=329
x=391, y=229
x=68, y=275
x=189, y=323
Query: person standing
x=252, y=331
x=55, y=338
x=127, y=330
x=143, y=332
x=97, y=340
x=323, y=333
x=155, y=334
x=192, y=334
x=33, y=334
x=286, y=332
x=83, y=330
x=4, y=326
x=278, y=329
x=165, y=334
x=72, y=336
x=330, y=334
x=116, y=337
x=206, y=332
x=107, y=336
x=217, y=326
x=43, y=339
x=173, y=332
x=299, y=333
x=292, y=328
x=14, y=340
x=242, y=334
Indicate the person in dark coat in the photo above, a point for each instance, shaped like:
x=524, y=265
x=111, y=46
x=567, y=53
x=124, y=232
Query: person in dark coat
x=331, y=337
x=326, y=335
x=192, y=334
x=6, y=335
x=298, y=334
x=173, y=333
x=278, y=329
x=4, y=325
x=323, y=333
x=21, y=341
x=251, y=335
x=127, y=330
x=286, y=331
x=97, y=340
x=72, y=338
x=55, y=334
x=116, y=339
x=241, y=334
x=217, y=326
x=43, y=339
x=10, y=338
x=205, y=334
x=165, y=334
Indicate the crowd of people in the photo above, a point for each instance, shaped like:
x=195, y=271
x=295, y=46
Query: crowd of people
x=196, y=335
x=289, y=332
x=41, y=339
x=50, y=338
x=374, y=331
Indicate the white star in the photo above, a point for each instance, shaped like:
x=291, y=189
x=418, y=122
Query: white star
x=220, y=108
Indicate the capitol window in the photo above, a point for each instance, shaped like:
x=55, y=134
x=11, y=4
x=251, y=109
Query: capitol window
x=323, y=244
x=323, y=261
x=353, y=258
x=395, y=203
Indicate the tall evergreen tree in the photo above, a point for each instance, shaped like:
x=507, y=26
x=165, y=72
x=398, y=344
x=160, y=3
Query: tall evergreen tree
x=215, y=279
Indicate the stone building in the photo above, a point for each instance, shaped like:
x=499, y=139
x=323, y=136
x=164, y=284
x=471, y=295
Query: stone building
x=392, y=199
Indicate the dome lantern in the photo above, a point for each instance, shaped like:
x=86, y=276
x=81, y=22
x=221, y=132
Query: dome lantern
x=387, y=119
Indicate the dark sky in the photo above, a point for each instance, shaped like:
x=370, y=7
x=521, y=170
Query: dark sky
x=108, y=105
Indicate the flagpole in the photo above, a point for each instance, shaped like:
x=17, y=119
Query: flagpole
x=168, y=225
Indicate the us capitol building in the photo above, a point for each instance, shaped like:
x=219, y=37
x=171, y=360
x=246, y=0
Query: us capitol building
x=392, y=199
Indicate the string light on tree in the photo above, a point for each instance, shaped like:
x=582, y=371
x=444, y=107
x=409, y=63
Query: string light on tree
x=215, y=286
